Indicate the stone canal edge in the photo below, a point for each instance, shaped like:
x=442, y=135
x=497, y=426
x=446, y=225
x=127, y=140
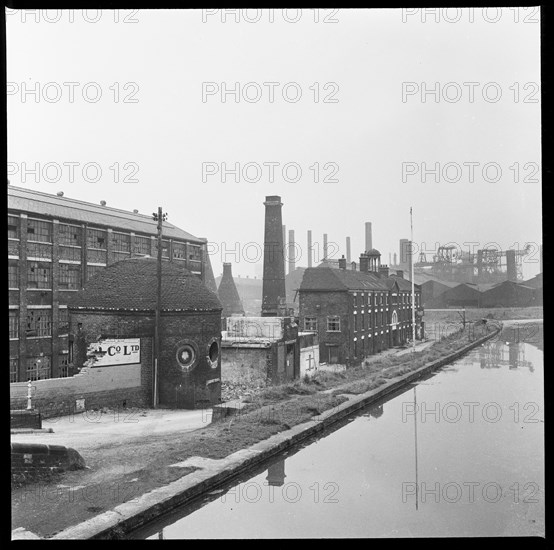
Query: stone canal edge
x=150, y=506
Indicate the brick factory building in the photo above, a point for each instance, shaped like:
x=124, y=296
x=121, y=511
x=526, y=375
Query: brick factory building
x=55, y=245
x=357, y=313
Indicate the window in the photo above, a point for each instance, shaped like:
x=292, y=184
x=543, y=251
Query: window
x=362, y=321
x=310, y=323
x=142, y=245
x=13, y=227
x=96, y=238
x=355, y=323
x=39, y=231
x=39, y=275
x=13, y=275
x=121, y=242
x=14, y=367
x=186, y=356
x=70, y=234
x=195, y=253
x=72, y=253
x=70, y=277
x=63, y=365
x=14, y=323
x=165, y=248
x=369, y=299
x=355, y=300
x=92, y=270
x=179, y=251
x=38, y=368
x=333, y=323
x=39, y=322
x=63, y=321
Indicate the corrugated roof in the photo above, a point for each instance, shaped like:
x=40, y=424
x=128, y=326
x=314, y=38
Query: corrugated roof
x=131, y=285
x=64, y=208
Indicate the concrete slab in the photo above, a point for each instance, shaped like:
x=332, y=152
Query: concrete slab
x=91, y=429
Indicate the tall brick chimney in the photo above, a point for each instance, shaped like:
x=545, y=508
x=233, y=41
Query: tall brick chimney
x=364, y=262
x=383, y=270
x=342, y=262
x=273, y=289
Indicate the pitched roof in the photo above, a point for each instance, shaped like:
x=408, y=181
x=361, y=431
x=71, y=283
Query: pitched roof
x=535, y=282
x=131, y=285
x=328, y=278
x=64, y=208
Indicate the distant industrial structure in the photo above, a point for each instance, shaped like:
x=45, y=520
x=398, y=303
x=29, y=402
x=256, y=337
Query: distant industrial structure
x=451, y=264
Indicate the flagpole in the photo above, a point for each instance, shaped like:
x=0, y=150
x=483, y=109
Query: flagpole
x=412, y=277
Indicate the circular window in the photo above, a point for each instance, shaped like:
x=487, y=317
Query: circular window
x=213, y=353
x=186, y=356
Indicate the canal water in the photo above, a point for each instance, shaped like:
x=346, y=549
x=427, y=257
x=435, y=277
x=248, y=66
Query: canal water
x=460, y=453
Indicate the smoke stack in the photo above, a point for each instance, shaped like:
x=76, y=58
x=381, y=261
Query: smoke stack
x=395, y=259
x=292, y=252
x=348, y=254
x=273, y=289
x=511, y=271
x=368, y=236
x=406, y=256
x=309, y=248
x=342, y=262
x=285, y=246
x=324, y=246
x=228, y=294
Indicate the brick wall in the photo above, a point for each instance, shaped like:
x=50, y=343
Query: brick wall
x=247, y=366
x=114, y=386
x=330, y=303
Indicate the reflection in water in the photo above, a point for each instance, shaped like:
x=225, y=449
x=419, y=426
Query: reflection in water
x=374, y=464
x=276, y=473
x=499, y=354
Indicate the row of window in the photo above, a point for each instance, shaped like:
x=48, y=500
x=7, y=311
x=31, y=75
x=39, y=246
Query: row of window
x=38, y=322
x=333, y=321
x=72, y=235
x=380, y=298
x=39, y=367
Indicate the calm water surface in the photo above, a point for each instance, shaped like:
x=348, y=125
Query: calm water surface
x=459, y=454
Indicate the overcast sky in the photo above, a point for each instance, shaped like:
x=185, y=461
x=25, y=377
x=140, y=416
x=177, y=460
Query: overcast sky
x=347, y=95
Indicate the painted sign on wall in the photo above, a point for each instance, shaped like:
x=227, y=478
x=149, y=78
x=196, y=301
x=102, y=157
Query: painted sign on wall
x=113, y=351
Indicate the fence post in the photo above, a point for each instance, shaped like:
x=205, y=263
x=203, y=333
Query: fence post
x=29, y=390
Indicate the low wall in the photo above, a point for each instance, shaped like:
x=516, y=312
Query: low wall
x=32, y=461
x=25, y=419
x=309, y=360
x=96, y=387
x=243, y=365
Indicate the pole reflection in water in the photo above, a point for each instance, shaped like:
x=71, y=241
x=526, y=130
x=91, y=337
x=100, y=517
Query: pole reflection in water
x=357, y=479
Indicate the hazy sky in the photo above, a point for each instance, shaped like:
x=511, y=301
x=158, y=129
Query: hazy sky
x=347, y=110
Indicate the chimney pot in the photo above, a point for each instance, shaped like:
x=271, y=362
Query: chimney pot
x=60, y=193
x=103, y=203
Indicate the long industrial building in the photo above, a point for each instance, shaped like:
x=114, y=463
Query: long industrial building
x=55, y=245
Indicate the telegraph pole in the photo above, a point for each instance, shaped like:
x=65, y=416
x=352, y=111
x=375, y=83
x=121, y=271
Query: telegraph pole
x=412, y=277
x=159, y=217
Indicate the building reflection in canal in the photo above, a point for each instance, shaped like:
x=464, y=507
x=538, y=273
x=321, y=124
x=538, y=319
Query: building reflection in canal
x=370, y=458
